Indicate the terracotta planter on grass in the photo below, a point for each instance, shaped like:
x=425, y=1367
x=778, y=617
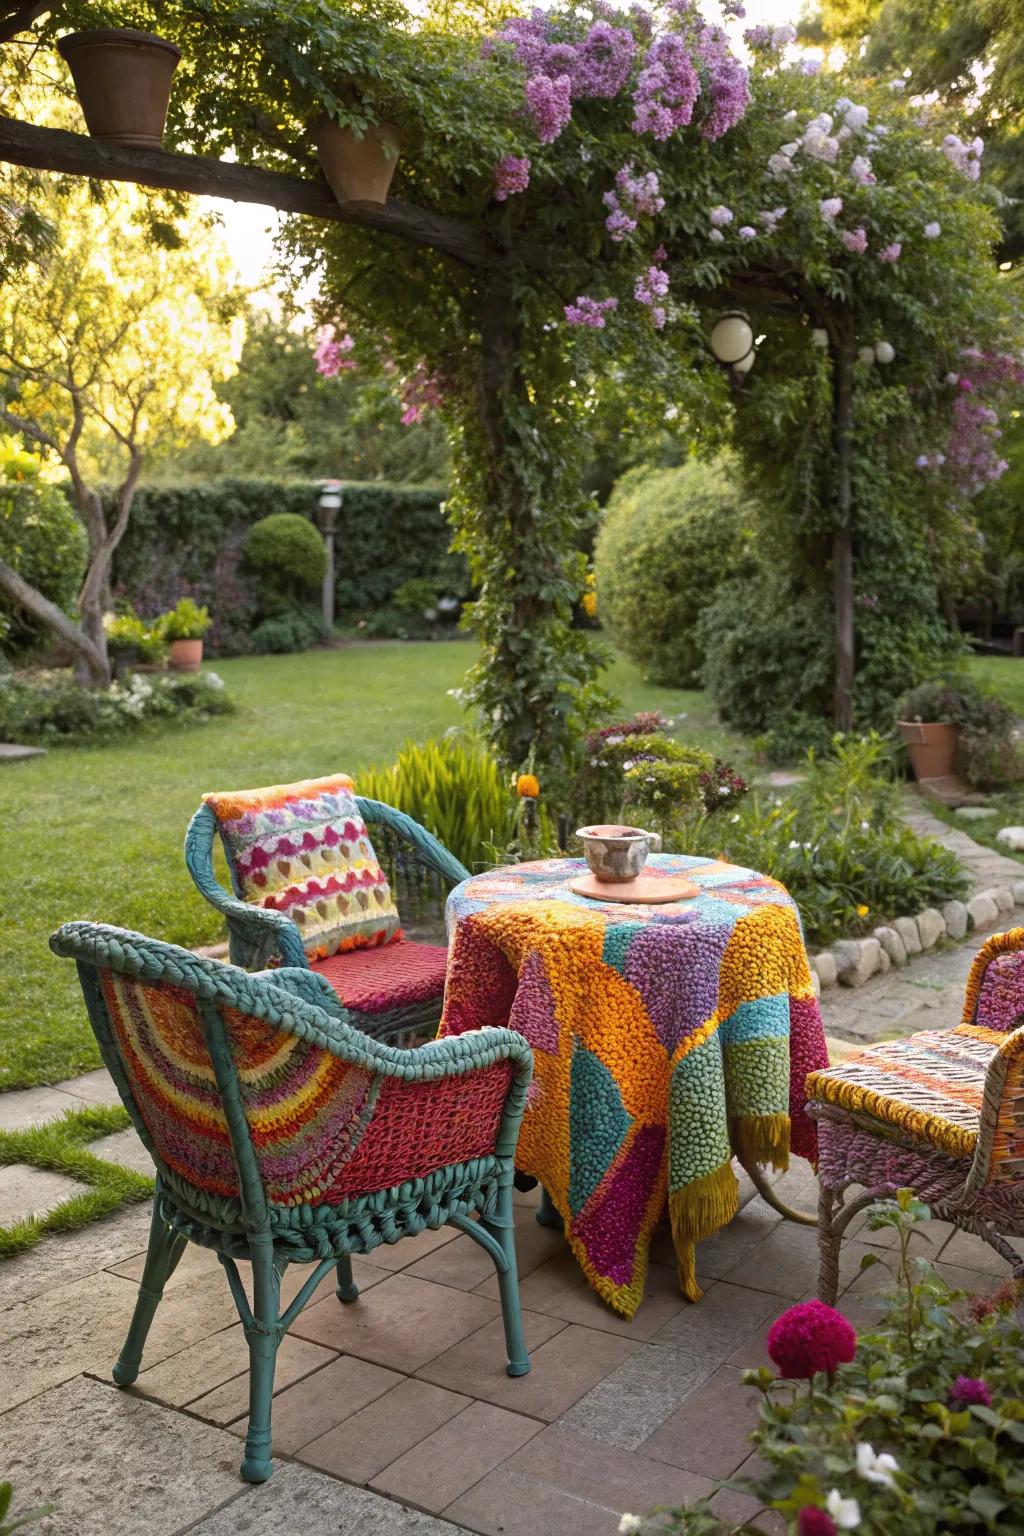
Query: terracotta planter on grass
x=186, y=655
x=358, y=170
x=932, y=747
x=123, y=81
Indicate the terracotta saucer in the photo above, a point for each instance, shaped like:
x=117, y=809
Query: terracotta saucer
x=647, y=890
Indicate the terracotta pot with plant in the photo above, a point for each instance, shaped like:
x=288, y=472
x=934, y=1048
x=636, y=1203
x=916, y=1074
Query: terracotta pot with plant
x=929, y=722
x=123, y=81
x=184, y=627
x=359, y=165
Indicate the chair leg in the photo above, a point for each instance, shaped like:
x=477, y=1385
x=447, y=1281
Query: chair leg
x=263, y=1339
x=501, y=1228
x=165, y=1249
x=828, y=1248
x=347, y=1288
x=547, y=1212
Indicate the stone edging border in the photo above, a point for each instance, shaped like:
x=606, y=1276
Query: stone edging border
x=852, y=962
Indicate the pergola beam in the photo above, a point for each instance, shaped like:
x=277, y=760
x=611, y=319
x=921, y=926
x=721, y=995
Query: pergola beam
x=74, y=154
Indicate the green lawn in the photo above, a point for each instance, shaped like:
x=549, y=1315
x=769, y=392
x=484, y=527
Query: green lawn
x=96, y=832
x=1004, y=675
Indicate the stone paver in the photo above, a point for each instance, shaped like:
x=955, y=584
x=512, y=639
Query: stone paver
x=455, y=1457
x=125, y=1149
x=13, y=752
x=73, y=1255
x=301, y=1501
x=26, y=1191
x=984, y=867
x=25, y=1107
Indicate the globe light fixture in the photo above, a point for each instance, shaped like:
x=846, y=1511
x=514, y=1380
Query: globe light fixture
x=884, y=351
x=745, y=363
x=866, y=354
x=819, y=338
x=731, y=339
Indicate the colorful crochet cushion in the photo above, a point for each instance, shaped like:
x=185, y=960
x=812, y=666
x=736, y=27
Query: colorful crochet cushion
x=380, y=980
x=303, y=849
x=323, y=1130
x=1001, y=995
x=930, y=1085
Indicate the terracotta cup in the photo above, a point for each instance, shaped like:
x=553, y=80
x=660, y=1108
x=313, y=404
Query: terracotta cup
x=617, y=853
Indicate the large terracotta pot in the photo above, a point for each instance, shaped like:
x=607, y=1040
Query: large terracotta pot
x=358, y=170
x=186, y=655
x=123, y=80
x=932, y=747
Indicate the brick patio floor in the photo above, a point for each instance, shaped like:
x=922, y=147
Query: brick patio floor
x=394, y=1414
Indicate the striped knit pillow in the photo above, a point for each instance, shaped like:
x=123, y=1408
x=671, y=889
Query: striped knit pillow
x=304, y=849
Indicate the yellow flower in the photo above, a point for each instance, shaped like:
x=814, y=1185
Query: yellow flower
x=588, y=602
x=863, y=911
x=527, y=786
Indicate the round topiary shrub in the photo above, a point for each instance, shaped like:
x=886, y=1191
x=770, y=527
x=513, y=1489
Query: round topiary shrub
x=41, y=539
x=669, y=538
x=288, y=553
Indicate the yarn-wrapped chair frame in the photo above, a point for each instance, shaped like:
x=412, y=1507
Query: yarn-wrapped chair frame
x=403, y=982
x=282, y=1135
x=941, y=1113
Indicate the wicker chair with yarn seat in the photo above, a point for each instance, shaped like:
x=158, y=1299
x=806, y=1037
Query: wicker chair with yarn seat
x=388, y=989
x=941, y=1113
x=281, y=1135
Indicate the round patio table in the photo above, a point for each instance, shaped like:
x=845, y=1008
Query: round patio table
x=667, y=1040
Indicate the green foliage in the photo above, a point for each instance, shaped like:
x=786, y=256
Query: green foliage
x=40, y=538
x=989, y=730
x=955, y=1466
x=190, y=538
x=185, y=621
x=454, y=788
x=61, y=1146
x=668, y=539
x=288, y=553
x=52, y=710
x=839, y=845
x=11, y=1520
x=130, y=638
x=296, y=629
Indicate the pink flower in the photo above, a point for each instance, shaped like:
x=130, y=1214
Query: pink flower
x=830, y=207
x=890, y=253
x=855, y=240
x=511, y=175
x=970, y=1389
x=590, y=312
x=550, y=105
x=860, y=170
x=809, y=1338
x=330, y=353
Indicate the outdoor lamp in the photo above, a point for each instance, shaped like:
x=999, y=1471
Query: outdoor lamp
x=745, y=363
x=884, y=351
x=329, y=505
x=731, y=339
x=866, y=354
x=328, y=508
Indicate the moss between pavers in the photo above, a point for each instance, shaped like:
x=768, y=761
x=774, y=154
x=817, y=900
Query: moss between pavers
x=60, y=1145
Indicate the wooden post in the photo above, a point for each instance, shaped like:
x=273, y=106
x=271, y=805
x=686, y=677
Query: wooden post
x=842, y=337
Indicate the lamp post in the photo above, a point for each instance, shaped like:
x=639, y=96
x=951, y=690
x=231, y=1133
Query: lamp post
x=732, y=341
x=327, y=515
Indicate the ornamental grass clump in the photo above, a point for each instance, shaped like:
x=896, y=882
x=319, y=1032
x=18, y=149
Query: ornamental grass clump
x=914, y=1428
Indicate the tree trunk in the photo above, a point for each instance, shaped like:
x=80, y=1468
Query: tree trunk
x=91, y=665
x=842, y=538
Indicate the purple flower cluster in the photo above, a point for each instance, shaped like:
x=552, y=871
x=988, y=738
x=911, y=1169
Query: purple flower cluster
x=590, y=312
x=972, y=454
x=965, y=157
x=890, y=253
x=652, y=286
x=855, y=240
x=422, y=391
x=603, y=61
x=511, y=175
x=667, y=89
x=970, y=1389
x=775, y=38
x=728, y=85
x=550, y=104
x=640, y=194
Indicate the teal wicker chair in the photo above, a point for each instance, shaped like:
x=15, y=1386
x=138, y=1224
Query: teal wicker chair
x=388, y=988
x=281, y=1135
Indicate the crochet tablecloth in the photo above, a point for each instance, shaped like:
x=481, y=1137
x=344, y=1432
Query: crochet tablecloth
x=665, y=1039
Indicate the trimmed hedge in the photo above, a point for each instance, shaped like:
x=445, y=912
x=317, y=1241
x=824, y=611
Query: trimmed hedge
x=191, y=539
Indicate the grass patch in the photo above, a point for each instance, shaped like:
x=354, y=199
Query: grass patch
x=100, y=827
x=61, y=1147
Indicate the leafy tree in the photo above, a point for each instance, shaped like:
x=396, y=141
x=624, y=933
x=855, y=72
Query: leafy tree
x=109, y=347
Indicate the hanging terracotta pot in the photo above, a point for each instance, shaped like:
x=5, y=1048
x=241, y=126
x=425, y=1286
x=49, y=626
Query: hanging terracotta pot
x=123, y=80
x=358, y=170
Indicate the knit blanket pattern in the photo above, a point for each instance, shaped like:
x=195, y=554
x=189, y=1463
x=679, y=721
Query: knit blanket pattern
x=666, y=1039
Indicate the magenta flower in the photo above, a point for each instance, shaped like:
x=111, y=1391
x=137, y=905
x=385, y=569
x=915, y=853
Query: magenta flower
x=590, y=312
x=970, y=1389
x=809, y=1338
x=511, y=175
x=855, y=240
x=331, y=353
x=812, y=1521
x=550, y=105
x=890, y=253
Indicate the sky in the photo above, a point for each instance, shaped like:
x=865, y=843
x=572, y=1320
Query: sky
x=249, y=228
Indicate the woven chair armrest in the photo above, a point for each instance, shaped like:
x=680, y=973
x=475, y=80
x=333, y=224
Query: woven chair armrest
x=259, y=931
x=428, y=847
x=1003, y=1081
x=309, y=985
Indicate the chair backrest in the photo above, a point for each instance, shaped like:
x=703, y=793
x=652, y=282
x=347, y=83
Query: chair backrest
x=995, y=1001
x=250, y=1097
x=303, y=849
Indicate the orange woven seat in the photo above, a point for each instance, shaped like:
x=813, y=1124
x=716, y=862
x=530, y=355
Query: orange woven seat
x=391, y=976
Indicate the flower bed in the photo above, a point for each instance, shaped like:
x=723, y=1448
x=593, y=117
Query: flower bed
x=50, y=709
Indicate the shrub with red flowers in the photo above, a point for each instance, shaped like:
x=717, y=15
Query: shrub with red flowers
x=914, y=1428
